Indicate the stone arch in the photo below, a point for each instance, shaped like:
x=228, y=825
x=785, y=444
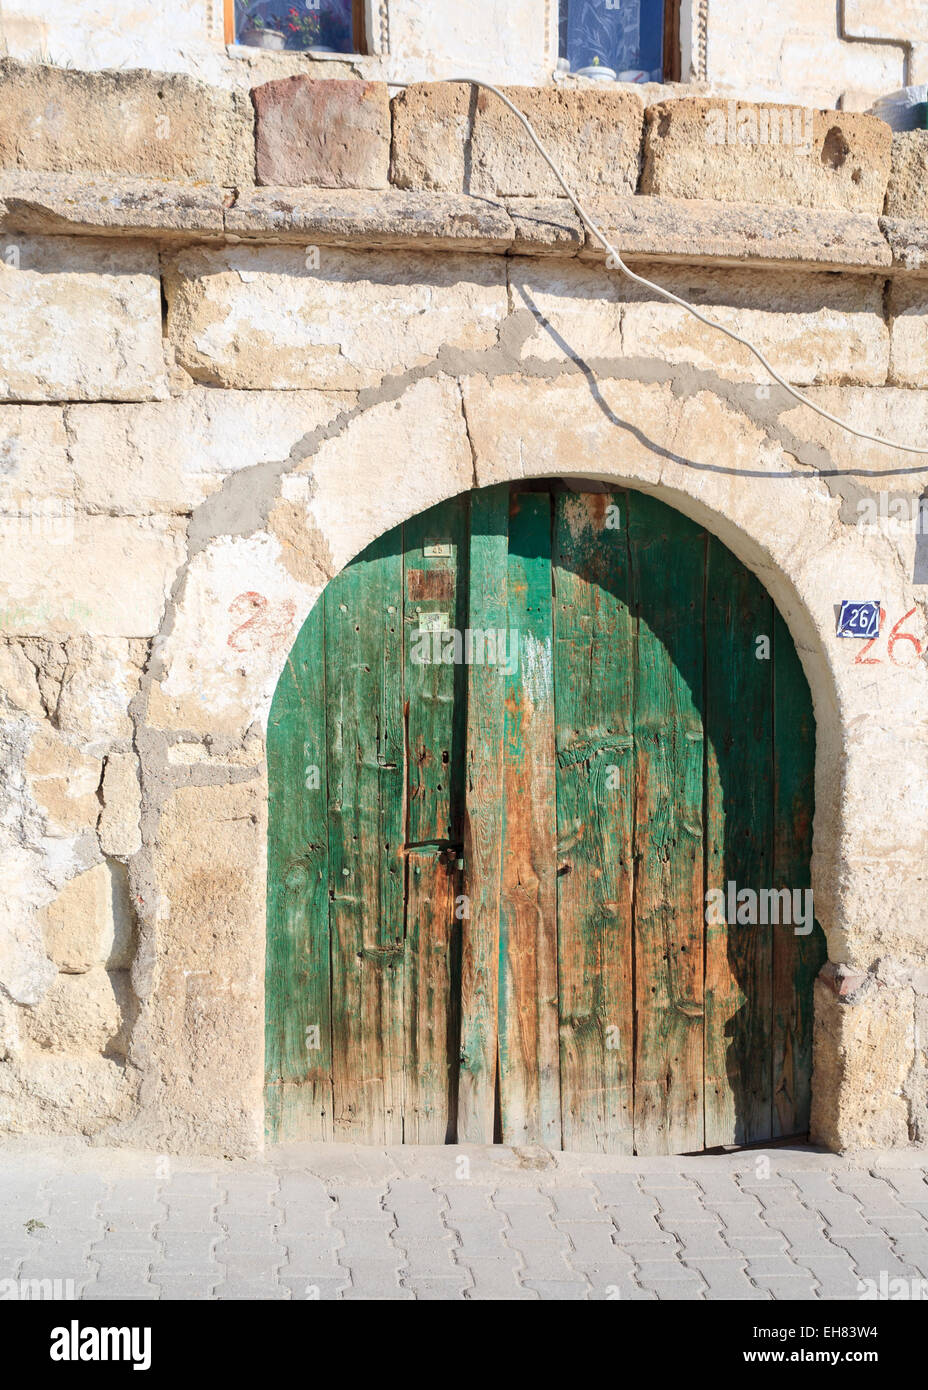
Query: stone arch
x=699, y=449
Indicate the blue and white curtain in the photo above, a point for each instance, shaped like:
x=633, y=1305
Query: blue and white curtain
x=625, y=35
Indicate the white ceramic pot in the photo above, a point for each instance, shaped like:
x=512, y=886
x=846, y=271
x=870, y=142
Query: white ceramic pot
x=263, y=38
x=597, y=72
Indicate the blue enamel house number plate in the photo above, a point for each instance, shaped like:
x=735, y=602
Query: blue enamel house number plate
x=859, y=619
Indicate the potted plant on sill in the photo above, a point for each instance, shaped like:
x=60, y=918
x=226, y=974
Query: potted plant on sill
x=258, y=31
x=597, y=71
x=302, y=29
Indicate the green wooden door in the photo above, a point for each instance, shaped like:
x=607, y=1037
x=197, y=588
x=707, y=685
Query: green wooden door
x=521, y=752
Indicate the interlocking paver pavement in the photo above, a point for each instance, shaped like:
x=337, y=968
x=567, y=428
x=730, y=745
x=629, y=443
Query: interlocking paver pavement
x=313, y=1222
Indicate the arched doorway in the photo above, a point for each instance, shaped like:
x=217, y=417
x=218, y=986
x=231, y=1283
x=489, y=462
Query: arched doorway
x=541, y=780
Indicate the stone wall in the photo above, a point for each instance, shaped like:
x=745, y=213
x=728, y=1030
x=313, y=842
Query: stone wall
x=297, y=132
x=213, y=394
x=809, y=51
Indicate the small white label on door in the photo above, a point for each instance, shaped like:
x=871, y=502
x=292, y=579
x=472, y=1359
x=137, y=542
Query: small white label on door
x=434, y=622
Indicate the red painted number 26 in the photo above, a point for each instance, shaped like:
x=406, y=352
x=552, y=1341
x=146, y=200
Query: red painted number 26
x=895, y=637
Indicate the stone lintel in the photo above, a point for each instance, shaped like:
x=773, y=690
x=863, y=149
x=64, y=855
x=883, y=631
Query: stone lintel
x=644, y=227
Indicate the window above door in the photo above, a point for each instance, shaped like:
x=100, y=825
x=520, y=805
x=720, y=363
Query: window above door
x=624, y=40
x=297, y=26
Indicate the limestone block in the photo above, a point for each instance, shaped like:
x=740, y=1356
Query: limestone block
x=25, y=970
x=398, y=458
x=393, y=219
x=543, y=225
x=49, y=661
x=885, y=766
x=122, y=948
x=907, y=240
x=26, y=973
x=34, y=465
x=84, y=684
x=19, y=688
x=162, y=125
x=432, y=123
x=169, y=456
x=80, y=319
x=63, y=781
x=449, y=139
x=54, y=1093
x=347, y=324
x=330, y=134
x=119, y=828
x=594, y=136
x=111, y=580
x=907, y=193
x=99, y=680
x=891, y=413
x=908, y=316
x=863, y=1053
x=702, y=147
x=36, y=479
x=646, y=434
x=218, y=750
x=53, y=204
x=79, y=926
x=814, y=328
x=518, y=429
x=202, y=1028
x=85, y=1012
x=699, y=230
x=239, y=616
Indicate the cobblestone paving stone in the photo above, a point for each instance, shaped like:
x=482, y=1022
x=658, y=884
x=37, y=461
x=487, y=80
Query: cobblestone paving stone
x=343, y=1222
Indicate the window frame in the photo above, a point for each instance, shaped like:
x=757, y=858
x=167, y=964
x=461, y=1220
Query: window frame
x=358, y=24
x=673, y=41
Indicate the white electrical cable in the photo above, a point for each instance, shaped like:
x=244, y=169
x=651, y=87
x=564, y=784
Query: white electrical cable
x=619, y=264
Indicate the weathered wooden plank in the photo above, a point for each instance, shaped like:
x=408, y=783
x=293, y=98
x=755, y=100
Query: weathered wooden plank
x=483, y=820
x=391, y=925
x=435, y=571
x=796, y=959
x=739, y=829
x=363, y=663
x=668, y=564
x=528, y=1027
x=593, y=665
x=298, y=1006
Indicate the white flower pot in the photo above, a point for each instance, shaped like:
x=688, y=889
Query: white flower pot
x=263, y=38
x=597, y=72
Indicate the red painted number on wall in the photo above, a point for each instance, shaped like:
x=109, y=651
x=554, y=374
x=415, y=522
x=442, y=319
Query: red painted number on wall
x=265, y=623
x=895, y=637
